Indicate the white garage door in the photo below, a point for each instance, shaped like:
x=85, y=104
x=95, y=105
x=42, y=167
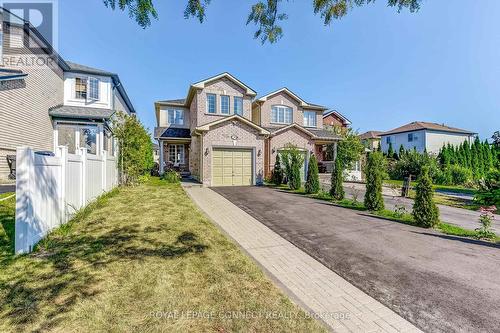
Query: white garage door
x=232, y=167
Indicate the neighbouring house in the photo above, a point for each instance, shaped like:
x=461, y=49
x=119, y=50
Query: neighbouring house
x=333, y=118
x=222, y=135
x=46, y=101
x=424, y=136
x=371, y=139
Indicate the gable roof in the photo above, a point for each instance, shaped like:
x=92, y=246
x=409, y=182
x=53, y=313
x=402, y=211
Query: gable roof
x=422, y=125
x=302, y=102
x=82, y=69
x=201, y=84
x=312, y=132
x=338, y=115
x=206, y=127
x=371, y=135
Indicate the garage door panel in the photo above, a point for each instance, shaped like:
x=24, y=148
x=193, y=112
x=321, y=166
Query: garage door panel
x=232, y=167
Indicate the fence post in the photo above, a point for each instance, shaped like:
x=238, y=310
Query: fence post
x=83, y=198
x=62, y=153
x=104, y=157
x=25, y=169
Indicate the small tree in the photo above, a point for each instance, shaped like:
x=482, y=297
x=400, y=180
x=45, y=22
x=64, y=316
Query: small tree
x=312, y=183
x=390, y=151
x=293, y=159
x=337, y=188
x=374, y=177
x=135, y=148
x=277, y=177
x=425, y=211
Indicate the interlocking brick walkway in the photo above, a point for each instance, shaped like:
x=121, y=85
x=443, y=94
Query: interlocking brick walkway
x=319, y=290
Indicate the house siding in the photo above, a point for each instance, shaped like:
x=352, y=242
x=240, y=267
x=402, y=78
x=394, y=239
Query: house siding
x=24, y=104
x=435, y=140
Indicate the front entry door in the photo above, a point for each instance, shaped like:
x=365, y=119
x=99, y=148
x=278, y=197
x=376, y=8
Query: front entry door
x=232, y=167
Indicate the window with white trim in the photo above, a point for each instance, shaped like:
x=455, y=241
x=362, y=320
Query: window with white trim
x=80, y=88
x=281, y=114
x=175, y=116
x=238, y=105
x=309, y=119
x=211, y=103
x=176, y=154
x=224, y=104
x=93, y=89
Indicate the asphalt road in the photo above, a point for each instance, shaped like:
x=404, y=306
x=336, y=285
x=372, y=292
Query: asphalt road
x=7, y=188
x=464, y=218
x=440, y=283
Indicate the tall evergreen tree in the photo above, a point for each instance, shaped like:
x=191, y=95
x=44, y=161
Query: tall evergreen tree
x=337, y=188
x=312, y=183
x=277, y=177
x=390, y=151
x=425, y=211
x=402, y=151
x=374, y=177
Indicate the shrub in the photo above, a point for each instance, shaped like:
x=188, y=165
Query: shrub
x=374, y=177
x=489, y=189
x=425, y=211
x=486, y=220
x=136, y=149
x=411, y=163
x=170, y=176
x=293, y=159
x=337, y=189
x=459, y=175
x=277, y=177
x=312, y=183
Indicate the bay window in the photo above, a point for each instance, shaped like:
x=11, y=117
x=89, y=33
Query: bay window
x=309, y=119
x=281, y=114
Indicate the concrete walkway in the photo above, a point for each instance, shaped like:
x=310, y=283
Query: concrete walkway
x=343, y=307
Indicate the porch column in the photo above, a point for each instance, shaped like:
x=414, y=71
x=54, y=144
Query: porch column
x=161, y=157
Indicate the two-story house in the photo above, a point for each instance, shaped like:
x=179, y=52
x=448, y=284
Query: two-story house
x=222, y=135
x=424, y=136
x=46, y=101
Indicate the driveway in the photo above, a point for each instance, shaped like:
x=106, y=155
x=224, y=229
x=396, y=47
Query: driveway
x=7, y=188
x=440, y=283
x=465, y=218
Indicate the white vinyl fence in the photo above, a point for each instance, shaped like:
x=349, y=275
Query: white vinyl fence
x=50, y=189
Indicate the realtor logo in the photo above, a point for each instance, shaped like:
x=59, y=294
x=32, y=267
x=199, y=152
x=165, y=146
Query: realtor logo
x=41, y=15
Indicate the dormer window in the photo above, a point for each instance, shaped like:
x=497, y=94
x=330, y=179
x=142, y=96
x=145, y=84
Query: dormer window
x=281, y=114
x=80, y=88
x=309, y=119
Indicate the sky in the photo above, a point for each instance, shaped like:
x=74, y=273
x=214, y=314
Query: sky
x=379, y=68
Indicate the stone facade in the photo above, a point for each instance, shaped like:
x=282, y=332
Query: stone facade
x=233, y=134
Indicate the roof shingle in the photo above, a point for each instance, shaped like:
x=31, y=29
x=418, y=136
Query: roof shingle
x=171, y=132
x=420, y=125
x=66, y=111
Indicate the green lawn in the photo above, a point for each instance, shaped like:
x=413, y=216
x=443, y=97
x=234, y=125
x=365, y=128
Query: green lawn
x=141, y=259
x=5, y=195
x=447, y=188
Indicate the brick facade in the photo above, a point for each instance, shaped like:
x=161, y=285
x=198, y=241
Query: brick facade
x=233, y=134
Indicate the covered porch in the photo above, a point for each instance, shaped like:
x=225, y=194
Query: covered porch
x=174, y=155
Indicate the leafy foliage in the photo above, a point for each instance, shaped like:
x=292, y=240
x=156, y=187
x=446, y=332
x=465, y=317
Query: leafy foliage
x=349, y=149
x=135, y=157
x=265, y=14
x=277, y=177
x=411, y=163
x=312, y=182
x=337, y=188
x=142, y=10
x=489, y=189
x=171, y=177
x=374, y=177
x=425, y=211
x=293, y=159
